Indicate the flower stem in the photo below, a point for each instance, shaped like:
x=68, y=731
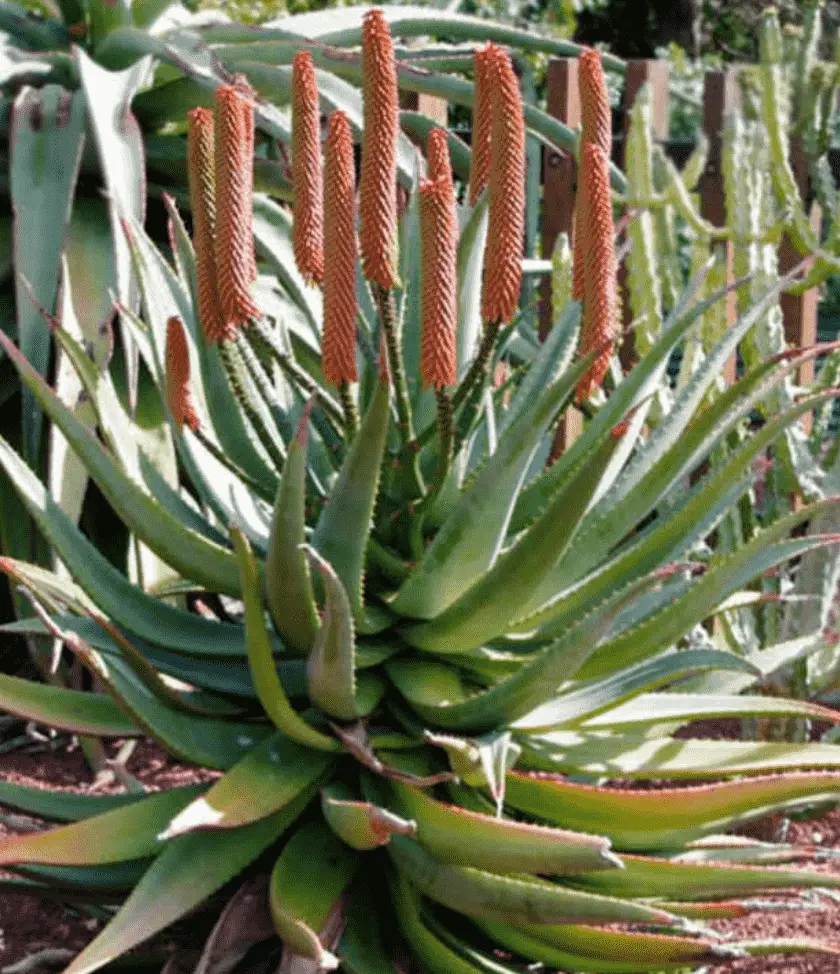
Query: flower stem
x=388, y=317
x=350, y=409
x=480, y=365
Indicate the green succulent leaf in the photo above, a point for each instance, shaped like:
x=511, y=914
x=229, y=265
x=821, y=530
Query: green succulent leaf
x=45, y=141
x=75, y=711
x=263, y=666
x=360, y=824
x=663, y=819
x=307, y=882
x=126, y=833
x=188, y=870
x=268, y=778
x=60, y=806
x=331, y=668
x=341, y=535
x=481, y=894
x=288, y=583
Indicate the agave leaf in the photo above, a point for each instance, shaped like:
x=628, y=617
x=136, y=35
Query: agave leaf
x=446, y=704
x=75, y=711
x=331, y=669
x=481, y=894
x=264, y=669
x=344, y=29
x=267, y=779
x=669, y=538
x=128, y=605
x=60, y=806
x=188, y=870
x=470, y=269
x=664, y=818
x=116, y=836
x=343, y=529
x=86, y=311
x=763, y=552
x=435, y=956
x=633, y=392
x=361, y=947
x=582, y=702
x=120, y=145
x=515, y=581
x=575, y=948
x=308, y=880
x=360, y=824
x=653, y=708
x=457, y=836
x=470, y=541
x=645, y=877
x=109, y=881
x=630, y=756
x=288, y=584
x=45, y=141
x=675, y=448
x=188, y=552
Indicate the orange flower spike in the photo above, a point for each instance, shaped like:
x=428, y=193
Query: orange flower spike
x=340, y=251
x=178, y=393
x=482, y=120
x=506, y=224
x=597, y=128
x=202, y=179
x=234, y=218
x=378, y=185
x=249, y=96
x=307, y=180
x=596, y=114
x=437, y=158
x=439, y=302
x=600, y=303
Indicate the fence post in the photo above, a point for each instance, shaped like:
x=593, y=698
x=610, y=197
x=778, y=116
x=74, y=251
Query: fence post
x=640, y=73
x=721, y=96
x=430, y=105
x=800, y=311
x=559, y=177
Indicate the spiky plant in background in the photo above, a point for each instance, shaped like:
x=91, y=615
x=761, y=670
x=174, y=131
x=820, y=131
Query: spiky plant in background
x=411, y=630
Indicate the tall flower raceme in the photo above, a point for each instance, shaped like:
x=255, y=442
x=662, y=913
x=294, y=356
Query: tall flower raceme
x=600, y=299
x=178, y=394
x=307, y=179
x=378, y=186
x=482, y=120
x=202, y=178
x=243, y=86
x=596, y=127
x=439, y=246
x=234, y=213
x=340, y=251
x=506, y=225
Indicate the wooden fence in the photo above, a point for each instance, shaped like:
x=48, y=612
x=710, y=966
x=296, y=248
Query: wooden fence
x=721, y=96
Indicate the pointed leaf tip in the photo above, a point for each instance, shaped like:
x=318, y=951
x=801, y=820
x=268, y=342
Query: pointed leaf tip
x=303, y=425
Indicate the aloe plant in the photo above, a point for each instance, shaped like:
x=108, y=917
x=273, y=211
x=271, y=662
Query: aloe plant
x=412, y=627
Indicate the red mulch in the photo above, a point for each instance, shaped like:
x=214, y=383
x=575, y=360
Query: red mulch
x=28, y=924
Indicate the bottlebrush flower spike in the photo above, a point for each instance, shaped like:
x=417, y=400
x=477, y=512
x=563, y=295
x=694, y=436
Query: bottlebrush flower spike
x=482, y=120
x=378, y=185
x=437, y=158
x=596, y=127
x=339, y=343
x=178, y=376
x=202, y=179
x=600, y=302
x=307, y=180
x=234, y=216
x=439, y=301
x=506, y=225
x=240, y=82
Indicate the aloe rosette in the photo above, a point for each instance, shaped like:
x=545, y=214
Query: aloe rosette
x=413, y=649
